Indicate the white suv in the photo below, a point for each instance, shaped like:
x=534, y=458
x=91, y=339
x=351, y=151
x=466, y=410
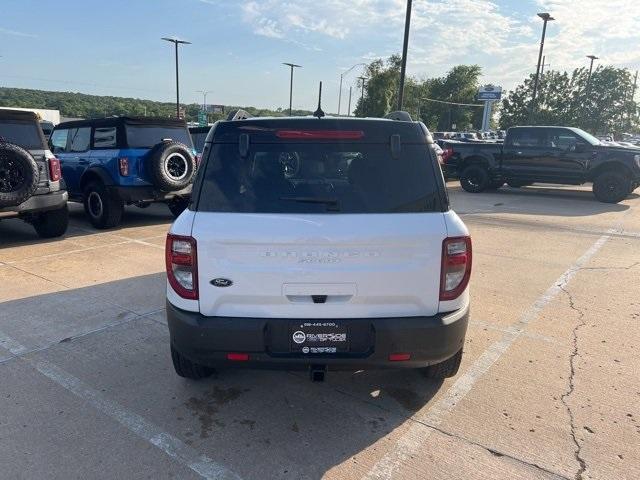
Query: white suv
x=318, y=244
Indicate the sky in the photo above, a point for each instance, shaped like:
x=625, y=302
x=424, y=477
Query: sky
x=238, y=46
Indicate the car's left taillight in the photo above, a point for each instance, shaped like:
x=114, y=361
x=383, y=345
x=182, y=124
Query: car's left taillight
x=456, y=267
x=447, y=153
x=55, y=174
x=182, y=265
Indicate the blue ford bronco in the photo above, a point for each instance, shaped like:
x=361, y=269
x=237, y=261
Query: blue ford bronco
x=112, y=162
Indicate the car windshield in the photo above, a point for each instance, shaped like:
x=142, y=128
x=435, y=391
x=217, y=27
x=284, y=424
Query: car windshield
x=318, y=178
x=146, y=136
x=25, y=134
x=587, y=136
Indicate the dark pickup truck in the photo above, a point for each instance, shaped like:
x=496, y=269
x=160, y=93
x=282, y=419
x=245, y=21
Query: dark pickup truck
x=558, y=155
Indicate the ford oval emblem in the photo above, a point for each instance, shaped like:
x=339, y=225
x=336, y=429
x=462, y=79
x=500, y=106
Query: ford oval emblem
x=221, y=282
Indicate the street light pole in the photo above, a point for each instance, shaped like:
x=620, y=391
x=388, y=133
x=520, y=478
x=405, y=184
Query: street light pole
x=592, y=58
x=176, y=42
x=349, y=110
x=405, y=46
x=292, y=66
x=546, y=17
x=342, y=75
x=204, y=97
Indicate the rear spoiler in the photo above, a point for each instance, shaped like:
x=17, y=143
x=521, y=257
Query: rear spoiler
x=399, y=115
x=238, y=115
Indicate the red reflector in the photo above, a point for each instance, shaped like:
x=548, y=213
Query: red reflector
x=124, y=166
x=238, y=357
x=399, y=357
x=320, y=134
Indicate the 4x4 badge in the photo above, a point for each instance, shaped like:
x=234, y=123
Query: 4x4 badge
x=221, y=282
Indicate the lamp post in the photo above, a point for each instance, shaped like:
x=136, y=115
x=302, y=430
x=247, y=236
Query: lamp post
x=292, y=66
x=204, y=98
x=592, y=58
x=177, y=42
x=546, y=17
x=342, y=75
x=349, y=108
x=405, y=46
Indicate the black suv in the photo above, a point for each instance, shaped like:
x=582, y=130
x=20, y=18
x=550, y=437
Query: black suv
x=30, y=177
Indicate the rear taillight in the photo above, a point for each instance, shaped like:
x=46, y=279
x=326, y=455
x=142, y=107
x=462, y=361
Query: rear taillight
x=447, y=153
x=123, y=164
x=54, y=169
x=198, y=158
x=182, y=265
x=456, y=267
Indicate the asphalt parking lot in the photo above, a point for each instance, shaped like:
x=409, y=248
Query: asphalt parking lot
x=549, y=386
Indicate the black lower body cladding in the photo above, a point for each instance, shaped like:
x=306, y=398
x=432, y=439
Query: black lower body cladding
x=207, y=341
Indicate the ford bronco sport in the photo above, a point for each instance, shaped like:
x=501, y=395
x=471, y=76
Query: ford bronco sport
x=30, y=181
x=318, y=244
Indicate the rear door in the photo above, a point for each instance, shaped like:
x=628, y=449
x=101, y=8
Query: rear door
x=525, y=153
x=307, y=230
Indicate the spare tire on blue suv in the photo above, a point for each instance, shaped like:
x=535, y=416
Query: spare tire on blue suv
x=18, y=175
x=171, y=166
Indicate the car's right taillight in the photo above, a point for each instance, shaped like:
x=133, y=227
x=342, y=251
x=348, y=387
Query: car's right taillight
x=456, y=267
x=182, y=265
x=123, y=164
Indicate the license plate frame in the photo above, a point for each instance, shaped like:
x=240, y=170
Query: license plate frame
x=324, y=337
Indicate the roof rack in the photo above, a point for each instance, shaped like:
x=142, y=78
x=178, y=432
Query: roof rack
x=399, y=115
x=238, y=115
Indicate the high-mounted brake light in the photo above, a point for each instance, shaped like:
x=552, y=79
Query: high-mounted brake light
x=456, y=267
x=182, y=265
x=320, y=134
x=55, y=173
x=123, y=164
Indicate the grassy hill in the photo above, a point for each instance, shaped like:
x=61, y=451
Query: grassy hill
x=73, y=104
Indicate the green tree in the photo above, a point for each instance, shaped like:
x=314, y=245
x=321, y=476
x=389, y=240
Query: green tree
x=563, y=99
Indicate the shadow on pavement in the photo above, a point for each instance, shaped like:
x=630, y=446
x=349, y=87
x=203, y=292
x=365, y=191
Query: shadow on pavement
x=259, y=424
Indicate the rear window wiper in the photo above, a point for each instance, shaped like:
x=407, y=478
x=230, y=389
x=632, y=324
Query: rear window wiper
x=331, y=203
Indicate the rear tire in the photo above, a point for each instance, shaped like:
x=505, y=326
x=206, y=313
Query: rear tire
x=448, y=368
x=53, y=223
x=172, y=166
x=19, y=175
x=187, y=369
x=104, y=210
x=611, y=187
x=474, y=179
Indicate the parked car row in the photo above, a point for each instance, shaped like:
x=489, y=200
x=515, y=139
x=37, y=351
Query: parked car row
x=104, y=164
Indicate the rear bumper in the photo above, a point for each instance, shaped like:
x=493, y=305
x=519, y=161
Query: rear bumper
x=207, y=340
x=37, y=203
x=146, y=194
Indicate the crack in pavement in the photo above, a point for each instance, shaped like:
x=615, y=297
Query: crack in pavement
x=612, y=268
x=574, y=353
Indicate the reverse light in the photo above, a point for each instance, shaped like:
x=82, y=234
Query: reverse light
x=182, y=265
x=55, y=174
x=320, y=134
x=123, y=164
x=456, y=267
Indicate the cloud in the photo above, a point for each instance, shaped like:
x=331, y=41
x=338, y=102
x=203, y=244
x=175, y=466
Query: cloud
x=6, y=31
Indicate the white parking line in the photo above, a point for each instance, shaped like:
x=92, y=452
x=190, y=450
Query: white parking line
x=412, y=440
x=172, y=446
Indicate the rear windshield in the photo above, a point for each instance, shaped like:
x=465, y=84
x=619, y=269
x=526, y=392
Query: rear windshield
x=146, y=136
x=25, y=134
x=319, y=178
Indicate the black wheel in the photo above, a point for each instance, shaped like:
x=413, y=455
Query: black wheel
x=104, y=210
x=19, y=175
x=446, y=369
x=474, y=178
x=495, y=184
x=611, y=187
x=178, y=205
x=52, y=224
x=187, y=369
x=172, y=166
